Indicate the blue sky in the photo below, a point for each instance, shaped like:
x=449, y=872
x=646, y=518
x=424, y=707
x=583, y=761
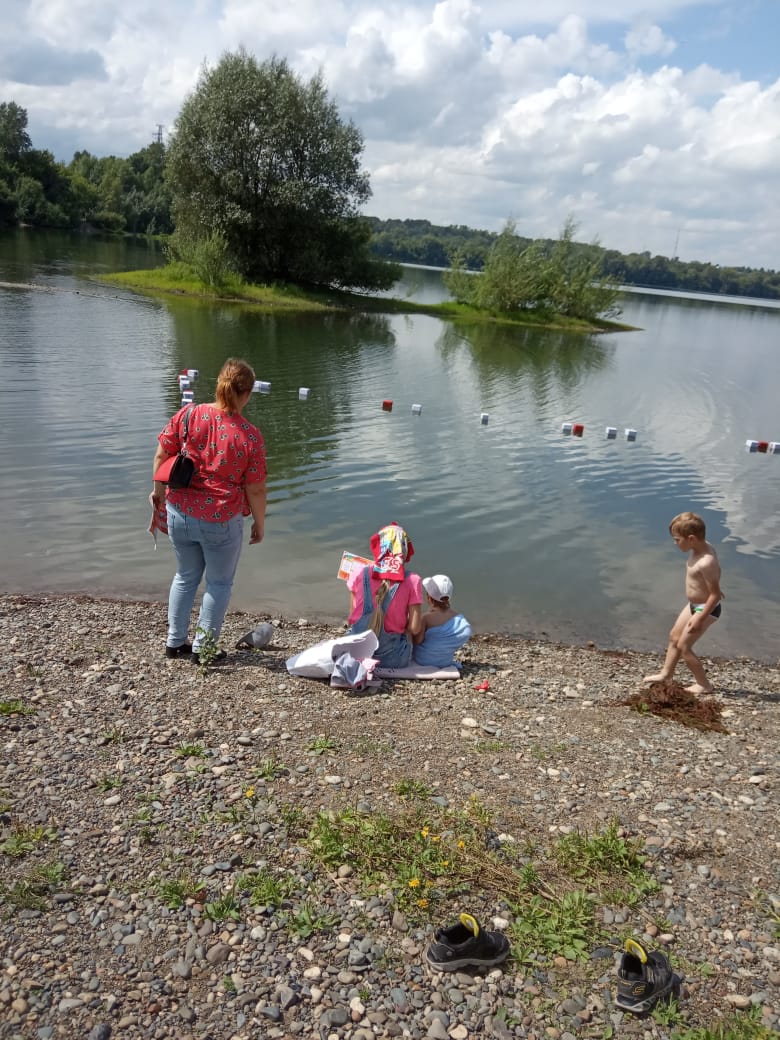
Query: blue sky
x=651, y=122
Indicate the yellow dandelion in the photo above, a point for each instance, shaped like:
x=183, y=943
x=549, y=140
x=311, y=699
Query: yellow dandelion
x=461, y=844
x=414, y=883
x=445, y=862
x=425, y=832
x=436, y=837
x=250, y=792
x=422, y=903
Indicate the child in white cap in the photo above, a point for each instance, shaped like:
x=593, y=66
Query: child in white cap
x=443, y=630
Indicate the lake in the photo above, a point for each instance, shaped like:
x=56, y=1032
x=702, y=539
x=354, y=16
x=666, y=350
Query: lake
x=542, y=534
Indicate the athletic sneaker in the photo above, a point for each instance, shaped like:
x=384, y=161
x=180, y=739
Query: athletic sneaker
x=643, y=978
x=465, y=945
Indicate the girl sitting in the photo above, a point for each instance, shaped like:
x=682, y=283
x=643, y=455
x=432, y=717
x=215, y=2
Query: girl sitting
x=386, y=598
x=442, y=630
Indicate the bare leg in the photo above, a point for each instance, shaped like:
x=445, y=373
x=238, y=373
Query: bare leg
x=702, y=684
x=673, y=651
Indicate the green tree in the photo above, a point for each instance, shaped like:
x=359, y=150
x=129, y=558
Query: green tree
x=14, y=139
x=563, y=277
x=263, y=159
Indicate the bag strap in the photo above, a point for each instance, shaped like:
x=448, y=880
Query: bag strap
x=183, y=449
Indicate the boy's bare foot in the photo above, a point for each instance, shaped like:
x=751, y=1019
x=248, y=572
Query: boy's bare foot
x=696, y=688
x=654, y=678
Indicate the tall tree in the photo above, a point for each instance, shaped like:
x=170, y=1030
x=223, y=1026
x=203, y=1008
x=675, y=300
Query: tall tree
x=262, y=159
x=14, y=139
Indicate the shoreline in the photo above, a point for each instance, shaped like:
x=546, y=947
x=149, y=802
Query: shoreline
x=237, y=853
x=331, y=624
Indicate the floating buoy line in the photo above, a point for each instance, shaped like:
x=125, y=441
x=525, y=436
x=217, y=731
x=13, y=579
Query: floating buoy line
x=188, y=376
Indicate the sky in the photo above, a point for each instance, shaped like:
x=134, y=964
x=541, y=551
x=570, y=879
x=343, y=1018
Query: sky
x=655, y=124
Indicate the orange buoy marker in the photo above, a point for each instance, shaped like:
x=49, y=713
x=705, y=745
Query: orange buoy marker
x=387, y=406
x=484, y=418
x=763, y=447
x=630, y=434
x=611, y=433
x=577, y=429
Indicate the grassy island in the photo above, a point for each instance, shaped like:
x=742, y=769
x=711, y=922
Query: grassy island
x=178, y=279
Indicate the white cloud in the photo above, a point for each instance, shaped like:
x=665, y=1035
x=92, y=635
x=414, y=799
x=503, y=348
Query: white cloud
x=471, y=111
x=645, y=39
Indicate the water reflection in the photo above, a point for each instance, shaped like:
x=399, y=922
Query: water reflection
x=542, y=533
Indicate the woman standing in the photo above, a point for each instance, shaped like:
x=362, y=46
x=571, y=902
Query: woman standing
x=205, y=520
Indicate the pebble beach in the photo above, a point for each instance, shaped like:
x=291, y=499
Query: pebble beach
x=186, y=851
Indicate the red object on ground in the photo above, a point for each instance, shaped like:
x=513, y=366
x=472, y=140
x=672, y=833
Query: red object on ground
x=577, y=429
x=483, y=687
x=387, y=406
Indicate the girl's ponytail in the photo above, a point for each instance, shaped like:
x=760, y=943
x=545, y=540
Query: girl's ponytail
x=378, y=615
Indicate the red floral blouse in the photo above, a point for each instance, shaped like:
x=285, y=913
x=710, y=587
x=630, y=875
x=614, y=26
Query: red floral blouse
x=228, y=452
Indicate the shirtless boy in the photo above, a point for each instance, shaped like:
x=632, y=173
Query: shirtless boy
x=702, y=587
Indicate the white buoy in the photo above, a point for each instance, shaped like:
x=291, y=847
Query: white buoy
x=188, y=397
x=303, y=393
x=774, y=448
x=184, y=383
x=567, y=428
x=611, y=433
x=261, y=387
x=751, y=446
x=192, y=373
x=630, y=434
x=416, y=409
x=484, y=418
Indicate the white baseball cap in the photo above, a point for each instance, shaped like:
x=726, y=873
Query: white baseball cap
x=438, y=587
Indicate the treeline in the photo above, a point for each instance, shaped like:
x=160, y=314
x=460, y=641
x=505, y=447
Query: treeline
x=105, y=193
x=420, y=242
x=133, y=195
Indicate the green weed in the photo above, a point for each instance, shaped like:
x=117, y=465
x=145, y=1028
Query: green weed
x=185, y=750
x=562, y=926
x=738, y=1026
x=207, y=651
x=410, y=788
x=321, y=744
x=490, y=746
x=15, y=707
x=30, y=892
x=24, y=839
x=110, y=783
x=306, y=920
x=270, y=769
x=264, y=888
x=176, y=891
x=603, y=859
x=226, y=908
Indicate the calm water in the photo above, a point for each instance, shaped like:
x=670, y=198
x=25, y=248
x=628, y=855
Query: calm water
x=542, y=534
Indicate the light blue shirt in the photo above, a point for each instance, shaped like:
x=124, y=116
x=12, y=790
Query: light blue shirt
x=440, y=643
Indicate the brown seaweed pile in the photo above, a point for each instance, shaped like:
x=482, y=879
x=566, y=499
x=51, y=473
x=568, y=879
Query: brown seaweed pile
x=672, y=701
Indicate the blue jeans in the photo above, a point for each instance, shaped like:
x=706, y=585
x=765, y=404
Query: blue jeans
x=201, y=545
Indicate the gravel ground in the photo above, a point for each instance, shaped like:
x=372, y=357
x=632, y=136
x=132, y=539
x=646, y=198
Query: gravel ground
x=130, y=783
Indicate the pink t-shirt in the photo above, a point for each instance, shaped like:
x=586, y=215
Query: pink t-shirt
x=409, y=593
x=228, y=453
